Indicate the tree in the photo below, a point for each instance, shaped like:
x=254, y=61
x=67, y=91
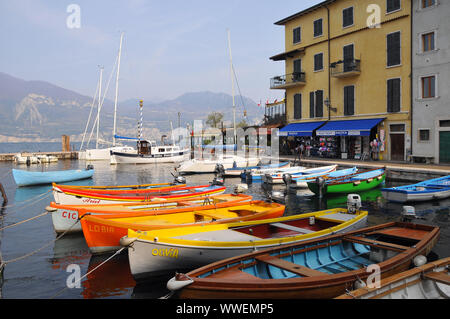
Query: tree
x=214, y=119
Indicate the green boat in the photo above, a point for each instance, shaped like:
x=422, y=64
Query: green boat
x=352, y=183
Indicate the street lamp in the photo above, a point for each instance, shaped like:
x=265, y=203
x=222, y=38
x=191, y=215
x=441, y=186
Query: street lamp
x=330, y=108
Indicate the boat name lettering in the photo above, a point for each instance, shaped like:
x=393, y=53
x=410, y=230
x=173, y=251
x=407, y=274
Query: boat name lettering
x=101, y=229
x=70, y=215
x=165, y=252
x=91, y=201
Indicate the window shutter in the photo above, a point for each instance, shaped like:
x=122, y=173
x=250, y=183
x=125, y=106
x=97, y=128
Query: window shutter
x=297, y=106
x=393, y=49
x=349, y=100
x=319, y=103
x=311, y=105
x=393, y=98
x=318, y=62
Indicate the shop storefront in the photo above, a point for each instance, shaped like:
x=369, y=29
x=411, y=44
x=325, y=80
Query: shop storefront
x=295, y=134
x=351, y=139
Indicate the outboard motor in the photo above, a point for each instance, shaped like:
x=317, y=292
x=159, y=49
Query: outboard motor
x=240, y=188
x=320, y=183
x=287, y=179
x=277, y=196
x=353, y=203
x=219, y=170
x=180, y=180
x=218, y=180
x=408, y=213
x=90, y=166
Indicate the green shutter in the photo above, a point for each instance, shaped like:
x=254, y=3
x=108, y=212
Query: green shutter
x=444, y=147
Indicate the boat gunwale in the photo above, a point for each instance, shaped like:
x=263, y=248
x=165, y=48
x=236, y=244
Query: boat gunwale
x=426, y=243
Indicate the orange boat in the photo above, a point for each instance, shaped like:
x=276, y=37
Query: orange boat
x=103, y=232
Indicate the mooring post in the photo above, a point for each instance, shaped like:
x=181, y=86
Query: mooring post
x=2, y=190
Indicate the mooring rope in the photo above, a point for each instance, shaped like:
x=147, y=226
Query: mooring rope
x=24, y=221
x=32, y=200
x=46, y=245
x=88, y=273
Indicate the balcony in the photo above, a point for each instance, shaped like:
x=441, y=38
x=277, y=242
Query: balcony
x=345, y=69
x=289, y=80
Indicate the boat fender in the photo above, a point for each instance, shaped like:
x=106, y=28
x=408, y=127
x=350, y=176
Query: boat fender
x=126, y=241
x=419, y=260
x=240, y=188
x=178, y=282
x=356, y=183
x=51, y=209
x=312, y=220
x=180, y=180
x=353, y=203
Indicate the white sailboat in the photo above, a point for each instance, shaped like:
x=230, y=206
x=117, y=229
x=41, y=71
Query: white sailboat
x=227, y=161
x=105, y=153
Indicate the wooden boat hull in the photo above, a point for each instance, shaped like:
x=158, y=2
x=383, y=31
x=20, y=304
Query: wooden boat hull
x=335, y=264
x=238, y=171
x=433, y=189
x=28, y=178
x=74, y=197
x=277, y=178
x=430, y=281
x=348, y=186
x=302, y=182
x=103, y=233
x=155, y=257
x=65, y=218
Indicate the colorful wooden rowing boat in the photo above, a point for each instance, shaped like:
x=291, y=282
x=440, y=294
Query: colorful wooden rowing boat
x=277, y=178
x=65, y=218
x=119, y=187
x=433, y=189
x=301, y=181
x=29, y=178
x=157, y=252
x=360, y=181
x=430, y=281
x=66, y=196
x=320, y=268
x=257, y=175
x=103, y=232
x=239, y=171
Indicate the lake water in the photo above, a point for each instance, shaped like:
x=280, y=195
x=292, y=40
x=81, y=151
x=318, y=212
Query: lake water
x=43, y=275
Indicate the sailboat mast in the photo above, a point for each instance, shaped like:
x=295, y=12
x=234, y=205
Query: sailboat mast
x=232, y=88
x=99, y=103
x=117, y=90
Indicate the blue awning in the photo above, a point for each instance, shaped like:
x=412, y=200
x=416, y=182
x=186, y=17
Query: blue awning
x=349, y=128
x=300, y=129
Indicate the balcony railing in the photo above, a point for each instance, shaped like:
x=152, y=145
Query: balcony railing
x=346, y=68
x=288, y=80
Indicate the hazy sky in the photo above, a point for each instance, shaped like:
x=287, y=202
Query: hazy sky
x=170, y=47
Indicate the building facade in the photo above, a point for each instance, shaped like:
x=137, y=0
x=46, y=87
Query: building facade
x=347, y=77
x=431, y=78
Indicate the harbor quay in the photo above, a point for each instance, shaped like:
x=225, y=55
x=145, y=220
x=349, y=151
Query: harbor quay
x=5, y=157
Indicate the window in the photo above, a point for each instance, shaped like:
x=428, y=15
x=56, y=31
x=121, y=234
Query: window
x=424, y=135
x=311, y=105
x=297, y=36
x=393, y=49
x=428, y=42
x=318, y=30
x=397, y=128
x=349, y=100
x=393, y=95
x=392, y=5
x=318, y=62
x=444, y=123
x=347, y=17
x=297, y=106
x=297, y=74
x=319, y=103
x=428, y=3
x=428, y=87
x=348, y=57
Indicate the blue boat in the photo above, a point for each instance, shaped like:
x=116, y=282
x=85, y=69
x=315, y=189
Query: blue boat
x=436, y=188
x=27, y=178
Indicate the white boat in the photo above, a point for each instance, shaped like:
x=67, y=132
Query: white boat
x=21, y=159
x=150, y=153
x=209, y=165
x=429, y=281
x=100, y=154
x=47, y=158
x=257, y=175
x=301, y=181
x=277, y=178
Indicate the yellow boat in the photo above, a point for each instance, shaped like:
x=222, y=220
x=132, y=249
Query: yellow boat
x=103, y=232
x=162, y=251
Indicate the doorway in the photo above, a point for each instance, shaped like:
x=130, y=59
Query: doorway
x=397, y=147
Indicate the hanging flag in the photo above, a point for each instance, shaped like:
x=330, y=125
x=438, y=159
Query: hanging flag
x=259, y=104
x=275, y=101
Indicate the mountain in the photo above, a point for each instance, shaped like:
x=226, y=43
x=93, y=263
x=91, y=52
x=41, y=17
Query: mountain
x=41, y=111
